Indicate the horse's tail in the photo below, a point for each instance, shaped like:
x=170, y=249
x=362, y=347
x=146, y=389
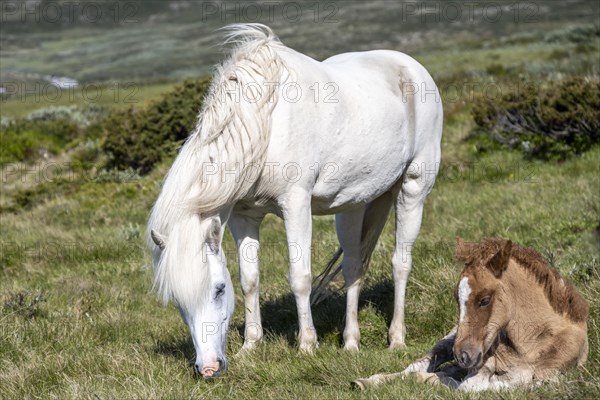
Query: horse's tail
x=374, y=220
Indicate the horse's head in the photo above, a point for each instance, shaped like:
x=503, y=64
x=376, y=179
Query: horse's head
x=195, y=276
x=484, y=307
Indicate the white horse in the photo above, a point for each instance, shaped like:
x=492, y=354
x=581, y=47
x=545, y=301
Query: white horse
x=282, y=133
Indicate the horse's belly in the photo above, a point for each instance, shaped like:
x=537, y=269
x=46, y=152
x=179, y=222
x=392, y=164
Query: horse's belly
x=367, y=158
x=344, y=186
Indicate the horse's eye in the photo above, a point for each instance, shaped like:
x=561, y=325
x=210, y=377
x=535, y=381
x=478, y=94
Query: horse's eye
x=485, y=301
x=220, y=289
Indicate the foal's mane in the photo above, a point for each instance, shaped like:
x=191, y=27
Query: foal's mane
x=561, y=294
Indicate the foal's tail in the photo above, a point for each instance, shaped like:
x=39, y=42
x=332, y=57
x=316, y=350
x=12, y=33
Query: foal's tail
x=373, y=222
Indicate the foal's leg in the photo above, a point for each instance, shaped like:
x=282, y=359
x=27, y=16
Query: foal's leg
x=409, y=210
x=245, y=234
x=423, y=368
x=486, y=379
x=376, y=380
x=348, y=227
x=440, y=353
x=297, y=217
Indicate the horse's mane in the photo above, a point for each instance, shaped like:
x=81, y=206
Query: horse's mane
x=234, y=124
x=561, y=294
x=231, y=136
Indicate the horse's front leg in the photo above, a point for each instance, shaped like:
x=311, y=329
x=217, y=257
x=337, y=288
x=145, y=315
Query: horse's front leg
x=245, y=233
x=297, y=217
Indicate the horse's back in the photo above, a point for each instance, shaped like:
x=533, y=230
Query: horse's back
x=398, y=77
x=370, y=89
x=407, y=80
x=359, y=120
x=388, y=63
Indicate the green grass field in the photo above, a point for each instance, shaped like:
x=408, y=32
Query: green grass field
x=78, y=319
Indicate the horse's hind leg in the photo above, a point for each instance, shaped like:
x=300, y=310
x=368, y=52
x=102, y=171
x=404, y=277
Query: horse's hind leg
x=245, y=234
x=348, y=227
x=409, y=199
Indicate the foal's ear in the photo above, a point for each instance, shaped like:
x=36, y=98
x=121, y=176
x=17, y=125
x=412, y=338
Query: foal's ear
x=463, y=249
x=499, y=262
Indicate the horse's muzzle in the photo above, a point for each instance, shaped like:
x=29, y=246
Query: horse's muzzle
x=211, y=371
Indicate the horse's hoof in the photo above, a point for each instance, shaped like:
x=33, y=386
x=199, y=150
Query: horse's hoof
x=351, y=346
x=397, y=346
x=244, y=351
x=307, y=349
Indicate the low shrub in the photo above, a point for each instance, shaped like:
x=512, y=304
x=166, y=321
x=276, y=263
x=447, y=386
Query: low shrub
x=87, y=154
x=26, y=304
x=45, y=131
x=550, y=124
x=139, y=138
x=26, y=140
x=575, y=34
x=80, y=116
x=26, y=199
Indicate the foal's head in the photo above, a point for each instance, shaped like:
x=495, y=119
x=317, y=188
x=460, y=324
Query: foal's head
x=484, y=305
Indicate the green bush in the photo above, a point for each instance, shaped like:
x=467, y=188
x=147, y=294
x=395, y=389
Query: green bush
x=27, y=140
x=45, y=131
x=554, y=123
x=139, y=138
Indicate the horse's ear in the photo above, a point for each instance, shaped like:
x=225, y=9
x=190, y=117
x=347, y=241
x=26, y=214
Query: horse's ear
x=158, y=239
x=213, y=235
x=499, y=262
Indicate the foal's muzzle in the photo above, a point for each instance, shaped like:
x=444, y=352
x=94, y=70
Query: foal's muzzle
x=468, y=359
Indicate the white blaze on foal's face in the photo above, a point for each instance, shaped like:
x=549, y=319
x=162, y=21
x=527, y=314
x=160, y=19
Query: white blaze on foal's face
x=464, y=290
x=477, y=328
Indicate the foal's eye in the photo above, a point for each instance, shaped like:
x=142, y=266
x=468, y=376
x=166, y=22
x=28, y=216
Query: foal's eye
x=485, y=301
x=220, y=289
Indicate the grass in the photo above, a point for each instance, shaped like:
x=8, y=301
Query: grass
x=78, y=320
